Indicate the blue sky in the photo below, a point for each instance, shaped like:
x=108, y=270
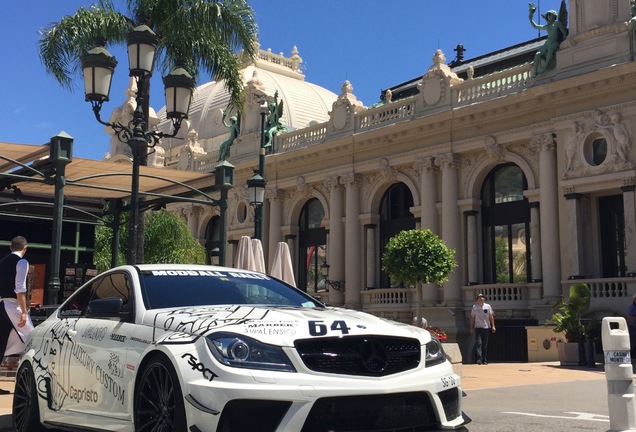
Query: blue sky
x=373, y=44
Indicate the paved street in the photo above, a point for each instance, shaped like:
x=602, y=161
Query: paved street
x=533, y=397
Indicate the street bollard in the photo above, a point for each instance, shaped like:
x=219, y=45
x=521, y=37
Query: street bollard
x=619, y=375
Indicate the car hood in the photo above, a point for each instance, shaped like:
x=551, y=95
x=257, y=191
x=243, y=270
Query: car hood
x=278, y=325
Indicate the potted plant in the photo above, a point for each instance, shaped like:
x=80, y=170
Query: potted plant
x=567, y=319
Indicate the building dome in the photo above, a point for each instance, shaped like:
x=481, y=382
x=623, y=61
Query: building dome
x=304, y=103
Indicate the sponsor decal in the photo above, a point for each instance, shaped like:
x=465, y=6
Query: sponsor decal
x=117, y=337
x=209, y=273
x=272, y=328
x=83, y=395
x=195, y=364
x=114, y=366
x=143, y=341
x=109, y=383
x=95, y=333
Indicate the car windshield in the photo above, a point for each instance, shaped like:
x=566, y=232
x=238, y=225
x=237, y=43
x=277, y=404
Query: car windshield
x=180, y=288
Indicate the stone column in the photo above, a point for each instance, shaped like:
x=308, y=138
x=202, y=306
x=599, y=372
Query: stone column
x=471, y=247
x=275, y=222
x=548, y=193
x=535, y=242
x=451, y=229
x=371, y=256
x=429, y=219
x=428, y=193
x=575, y=236
x=193, y=215
x=353, y=245
x=629, y=209
x=336, y=246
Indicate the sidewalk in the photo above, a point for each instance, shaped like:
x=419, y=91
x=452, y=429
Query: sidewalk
x=493, y=375
x=474, y=377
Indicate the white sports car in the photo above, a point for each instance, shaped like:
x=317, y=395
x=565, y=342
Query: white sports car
x=190, y=348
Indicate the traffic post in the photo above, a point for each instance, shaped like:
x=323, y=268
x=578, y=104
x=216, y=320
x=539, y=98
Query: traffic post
x=619, y=374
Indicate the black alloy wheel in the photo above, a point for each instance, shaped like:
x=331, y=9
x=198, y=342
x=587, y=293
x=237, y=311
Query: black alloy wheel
x=26, y=413
x=159, y=405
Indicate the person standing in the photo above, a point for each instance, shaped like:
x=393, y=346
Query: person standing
x=482, y=323
x=15, y=322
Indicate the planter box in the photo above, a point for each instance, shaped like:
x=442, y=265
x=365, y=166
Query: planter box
x=568, y=353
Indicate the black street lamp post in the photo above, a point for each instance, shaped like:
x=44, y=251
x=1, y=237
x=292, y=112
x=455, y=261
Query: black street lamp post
x=256, y=183
x=61, y=154
x=98, y=66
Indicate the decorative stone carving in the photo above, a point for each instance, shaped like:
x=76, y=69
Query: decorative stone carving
x=434, y=88
x=303, y=188
x=344, y=108
x=191, y=152
x=386, y=170
x=157, y=157
x=494, y=151
x=597, y=144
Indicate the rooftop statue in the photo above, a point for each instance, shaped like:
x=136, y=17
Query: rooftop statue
x=273, y=125
x=557, y=32
x=235, y=128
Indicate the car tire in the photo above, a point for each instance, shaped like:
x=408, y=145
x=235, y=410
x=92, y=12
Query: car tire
x=26, y=411
x=159, y=402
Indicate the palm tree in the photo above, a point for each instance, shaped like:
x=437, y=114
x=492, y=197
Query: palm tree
x=199, y=35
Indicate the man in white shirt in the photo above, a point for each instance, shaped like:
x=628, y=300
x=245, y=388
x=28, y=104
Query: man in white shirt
x=482, y=323
x=15, y=323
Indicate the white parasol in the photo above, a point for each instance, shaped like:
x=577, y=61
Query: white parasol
x=282, y=267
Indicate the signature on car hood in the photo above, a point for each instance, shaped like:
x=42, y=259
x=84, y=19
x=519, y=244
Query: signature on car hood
x=278, y=325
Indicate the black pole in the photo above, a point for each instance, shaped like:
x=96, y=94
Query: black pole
x=61, y=154
x=116, y=225
x=223, y=233
x=258, y=210
x=139, y=147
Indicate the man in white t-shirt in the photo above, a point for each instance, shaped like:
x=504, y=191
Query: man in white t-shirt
x=482, y=323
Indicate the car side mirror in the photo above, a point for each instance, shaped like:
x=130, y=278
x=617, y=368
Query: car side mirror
x=110, y=307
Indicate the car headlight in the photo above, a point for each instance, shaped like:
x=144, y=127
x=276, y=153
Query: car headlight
x=244, y=352
x=434, y=352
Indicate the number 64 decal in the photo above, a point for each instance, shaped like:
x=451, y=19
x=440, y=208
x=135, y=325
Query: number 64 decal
x=320, y=328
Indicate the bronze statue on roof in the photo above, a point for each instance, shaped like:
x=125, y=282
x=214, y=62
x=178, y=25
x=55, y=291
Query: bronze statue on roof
x=556, y=27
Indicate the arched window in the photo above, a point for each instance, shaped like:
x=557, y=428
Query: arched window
x=395, y=216
x=506, y=226
x=312, y=244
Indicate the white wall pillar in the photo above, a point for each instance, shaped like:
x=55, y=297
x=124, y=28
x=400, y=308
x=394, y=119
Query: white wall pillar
x=471, y=247
x=548, y=192
x=336, y=246
x=451, y=228
x=535, y=242
x=275, y=222
x=353, y=245
x=428, y=193
x=629, y=209
x=575, y=236
x=372, y=259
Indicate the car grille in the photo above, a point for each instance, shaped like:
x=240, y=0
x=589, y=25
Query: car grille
x=401, y=412
x=360, y=355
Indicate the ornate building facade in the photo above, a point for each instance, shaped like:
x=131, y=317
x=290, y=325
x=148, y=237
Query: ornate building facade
x=531, y=180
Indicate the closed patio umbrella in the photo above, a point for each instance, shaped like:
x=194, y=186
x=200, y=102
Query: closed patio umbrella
x=244, y=254
x=259, y=258
x=282, y=267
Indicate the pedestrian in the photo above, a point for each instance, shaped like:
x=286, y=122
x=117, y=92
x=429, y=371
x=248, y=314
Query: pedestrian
x=631, y=326
x=15, y=322
x=482, y=323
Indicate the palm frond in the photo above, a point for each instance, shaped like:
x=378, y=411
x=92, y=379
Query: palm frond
x=62, y=43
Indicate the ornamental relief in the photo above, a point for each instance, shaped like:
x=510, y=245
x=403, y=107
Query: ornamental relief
x=597, y=144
